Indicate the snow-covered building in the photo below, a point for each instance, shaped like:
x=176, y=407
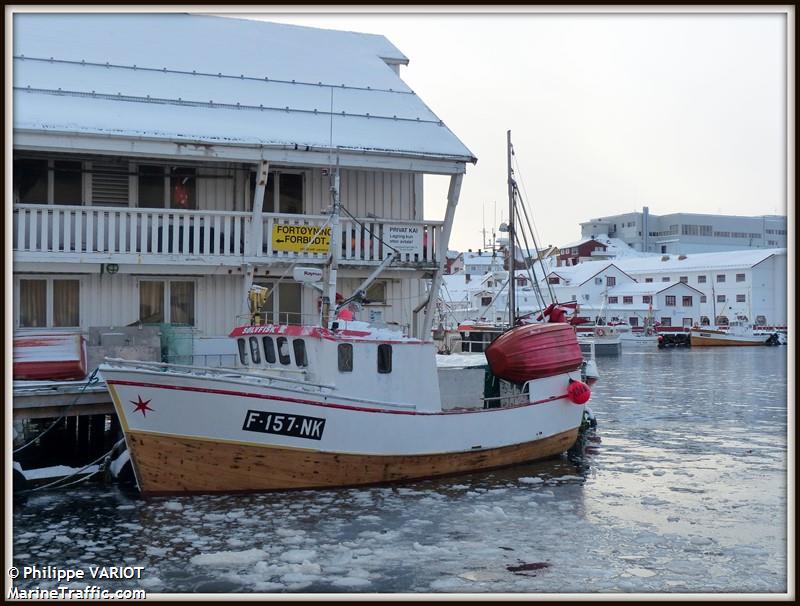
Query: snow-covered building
x=477, y=264
x=163, y=163
x=749, y=283
x=683, y=233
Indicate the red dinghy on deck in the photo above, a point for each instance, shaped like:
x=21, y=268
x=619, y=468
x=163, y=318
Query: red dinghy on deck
x=533, y=351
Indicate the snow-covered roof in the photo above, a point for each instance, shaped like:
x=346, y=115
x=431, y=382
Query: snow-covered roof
x=580, y=273
x=646, y=288
x=220, y=81
x=578, y=243
x=698, y=261
x=486, y=258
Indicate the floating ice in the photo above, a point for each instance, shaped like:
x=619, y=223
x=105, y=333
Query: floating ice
x=298, y=555
x=173, y=506
x=228, y=558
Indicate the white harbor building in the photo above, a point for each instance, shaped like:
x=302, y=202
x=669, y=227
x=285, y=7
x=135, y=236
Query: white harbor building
x=163, y=163
x=683, y=233
x=673, y=290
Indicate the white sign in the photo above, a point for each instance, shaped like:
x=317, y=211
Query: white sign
x=404, y=238
x=307, y=274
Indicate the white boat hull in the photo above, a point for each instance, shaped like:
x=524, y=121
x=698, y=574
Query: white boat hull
x=190, y=433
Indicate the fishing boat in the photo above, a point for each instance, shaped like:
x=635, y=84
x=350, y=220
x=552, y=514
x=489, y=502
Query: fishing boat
x=738, y=333
x=345, y=403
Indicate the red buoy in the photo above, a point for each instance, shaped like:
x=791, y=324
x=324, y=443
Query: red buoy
x=578, y=392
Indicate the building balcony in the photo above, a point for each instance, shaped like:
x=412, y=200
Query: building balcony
x=93, y=234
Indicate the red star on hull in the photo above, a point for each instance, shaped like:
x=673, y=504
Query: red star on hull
x=141, y=406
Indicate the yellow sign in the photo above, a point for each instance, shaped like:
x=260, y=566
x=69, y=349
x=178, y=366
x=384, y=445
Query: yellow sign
x=301, y=238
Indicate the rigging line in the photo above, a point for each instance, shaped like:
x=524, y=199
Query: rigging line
x=541, y=261
x=372, y=233
x=532, y=276
x=534, y=230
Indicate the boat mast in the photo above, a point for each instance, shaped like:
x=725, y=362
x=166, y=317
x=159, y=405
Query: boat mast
x=329, y=300
x=511, y=236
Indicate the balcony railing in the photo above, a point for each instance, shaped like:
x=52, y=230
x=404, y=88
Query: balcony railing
x=125, y=235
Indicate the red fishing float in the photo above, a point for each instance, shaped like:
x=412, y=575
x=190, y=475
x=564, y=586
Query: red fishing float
x=578, y=392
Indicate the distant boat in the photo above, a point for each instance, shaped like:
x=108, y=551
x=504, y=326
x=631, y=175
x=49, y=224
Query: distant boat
x=738, y=333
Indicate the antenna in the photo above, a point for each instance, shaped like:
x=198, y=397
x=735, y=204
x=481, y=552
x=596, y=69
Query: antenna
x=483, y=217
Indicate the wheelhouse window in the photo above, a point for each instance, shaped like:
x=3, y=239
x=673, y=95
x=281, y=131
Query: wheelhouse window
x=722, y=320
x=242, y=351
x=704, y=321
x=345, y=355
x=299, y=346
x=269, y=350
x=384, y=359
x=255, y=353
x=283, y=351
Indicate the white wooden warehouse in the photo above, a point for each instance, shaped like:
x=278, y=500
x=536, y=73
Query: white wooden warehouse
x=165, y=162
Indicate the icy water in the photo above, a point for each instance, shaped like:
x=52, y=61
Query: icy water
x=682, y=488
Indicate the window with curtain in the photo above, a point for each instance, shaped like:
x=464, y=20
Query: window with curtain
x=151, y=302
x=33, y=303
x=66, y=303
x=181, y=303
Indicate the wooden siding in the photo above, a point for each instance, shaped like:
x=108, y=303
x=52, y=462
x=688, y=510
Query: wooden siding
x=388, y=195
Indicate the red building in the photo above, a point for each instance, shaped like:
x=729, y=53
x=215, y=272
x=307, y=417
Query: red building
x=571, y=254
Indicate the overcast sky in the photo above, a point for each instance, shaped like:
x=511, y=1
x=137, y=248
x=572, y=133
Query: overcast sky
x=607, y=112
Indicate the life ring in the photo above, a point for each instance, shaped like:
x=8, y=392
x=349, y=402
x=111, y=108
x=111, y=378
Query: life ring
x=600, y=332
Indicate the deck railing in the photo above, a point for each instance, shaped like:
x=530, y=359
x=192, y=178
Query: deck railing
x=142, y=232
